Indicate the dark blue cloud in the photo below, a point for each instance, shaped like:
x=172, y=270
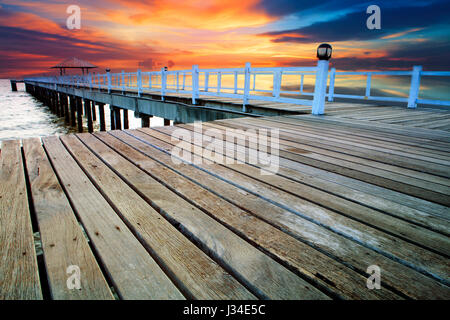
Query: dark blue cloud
x=353, y=25
x=286, y=7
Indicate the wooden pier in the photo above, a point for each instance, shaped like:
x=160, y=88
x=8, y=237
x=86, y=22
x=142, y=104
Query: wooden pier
x=351, y=191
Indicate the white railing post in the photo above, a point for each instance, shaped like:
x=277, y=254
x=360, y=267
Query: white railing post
x=122, y=80
x=178, y=81
x=320, y=88
x=150, y=81
x=247, y=71
x=163, y=82
x=195, y=93
x=276, y=83
x=368, y=85
x=235, y=82
x=184, y=80
x=108, y=76
x=139, y=82
x=415, y=86
x=331, y=88
x=301, y=83
x=206, y=81
x=219, y=81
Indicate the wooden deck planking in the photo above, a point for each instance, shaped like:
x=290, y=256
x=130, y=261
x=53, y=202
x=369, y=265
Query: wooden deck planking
x=270, y=281
x=132, y=270
x=294, y=254
x=427, y=261
x=66, y=245
x=425, y=118
x=193, y=271
x=313, y=234
x=233, y=179
x=19, y=278
x=359, y=186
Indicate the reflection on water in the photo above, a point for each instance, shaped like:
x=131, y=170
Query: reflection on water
x=23, y=116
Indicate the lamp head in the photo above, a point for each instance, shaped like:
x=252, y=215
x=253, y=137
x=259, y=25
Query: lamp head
x=324, y=51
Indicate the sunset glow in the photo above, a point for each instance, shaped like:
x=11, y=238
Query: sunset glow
x=123, y=34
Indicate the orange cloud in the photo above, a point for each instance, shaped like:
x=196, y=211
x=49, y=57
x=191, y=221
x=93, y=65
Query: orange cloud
x=401, y=34
x=197, y=14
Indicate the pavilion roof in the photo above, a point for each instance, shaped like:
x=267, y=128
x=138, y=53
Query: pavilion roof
x=74, y=63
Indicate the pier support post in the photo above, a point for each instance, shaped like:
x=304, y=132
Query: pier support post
x=73, y=108
x=145, y=121
x=66, y=108
x=167, y=122
x=61, y=104
x=79, y=114
x=112, y=117
x=126, y=124
x=87, y=104
x=101, y=111
x=94, y=111
x=118, y=119
x=58, y=104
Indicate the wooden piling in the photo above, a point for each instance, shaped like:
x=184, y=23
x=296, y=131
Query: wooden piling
x=145, y=121
x=73, y=108
x=112, y=118
x=79, y=114
x=88, y=109
x=126, y=124
x=94, y=111
x=101, y=111
x=57, y=104
x=66, y=109
x=118, y=119
x=61, y=104
x=13, y=85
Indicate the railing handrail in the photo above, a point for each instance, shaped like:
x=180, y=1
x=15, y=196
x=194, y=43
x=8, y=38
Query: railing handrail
x=172, y=81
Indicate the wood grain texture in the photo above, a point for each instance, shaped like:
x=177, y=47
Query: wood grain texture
x=406, y=280
x=132, y=270
x=199, y=275
x=64, y=245
x=19, y=278
x=373, y=238
x=295, y=254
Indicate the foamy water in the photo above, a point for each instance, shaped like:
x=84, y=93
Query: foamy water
x=22, y=116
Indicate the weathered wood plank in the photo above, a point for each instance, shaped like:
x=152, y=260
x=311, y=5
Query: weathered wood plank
x=198, y=275
x=363, y=213
x=290, y=149
x=347, y=283
x=371, y=237
x=133, y=272
x=363, y=137
x=62, y=239
x=288, y=142
x=264, y=276
x=404, y=279
x=19, y=277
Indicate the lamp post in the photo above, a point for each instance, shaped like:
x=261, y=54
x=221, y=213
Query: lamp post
x=320, y=90
x=108, y=78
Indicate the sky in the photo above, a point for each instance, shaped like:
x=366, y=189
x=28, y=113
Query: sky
x=131, y=34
